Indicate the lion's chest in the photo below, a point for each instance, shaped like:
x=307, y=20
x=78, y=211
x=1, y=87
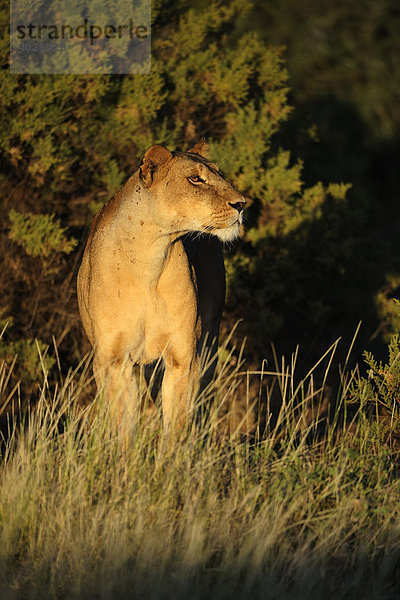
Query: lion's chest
x=171, y=311
x=148, y=315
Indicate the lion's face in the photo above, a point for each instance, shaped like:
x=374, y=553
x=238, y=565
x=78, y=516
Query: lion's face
x=191, y=194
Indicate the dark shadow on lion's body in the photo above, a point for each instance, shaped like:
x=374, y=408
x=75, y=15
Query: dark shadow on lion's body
x=201, y=251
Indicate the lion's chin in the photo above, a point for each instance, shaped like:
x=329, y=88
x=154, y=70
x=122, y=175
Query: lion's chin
x=229, y=233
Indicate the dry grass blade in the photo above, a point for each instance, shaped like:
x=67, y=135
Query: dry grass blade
x=200, y=516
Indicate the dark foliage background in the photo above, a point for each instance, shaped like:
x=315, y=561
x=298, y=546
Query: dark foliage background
x=300, y=104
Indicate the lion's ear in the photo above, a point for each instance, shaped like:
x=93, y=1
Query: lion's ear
x=201, y=148
x=154, y=158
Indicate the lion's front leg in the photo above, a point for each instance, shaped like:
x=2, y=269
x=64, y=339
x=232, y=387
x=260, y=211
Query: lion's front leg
x=179, y=389
x=120, y=390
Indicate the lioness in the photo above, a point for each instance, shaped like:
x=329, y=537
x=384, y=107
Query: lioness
x=146, y=293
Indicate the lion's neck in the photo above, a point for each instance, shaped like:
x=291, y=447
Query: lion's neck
x=143, y=244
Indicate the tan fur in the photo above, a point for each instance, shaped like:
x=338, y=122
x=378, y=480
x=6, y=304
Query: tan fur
x=143, y=291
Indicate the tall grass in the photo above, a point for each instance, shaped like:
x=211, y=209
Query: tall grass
x=283, y=513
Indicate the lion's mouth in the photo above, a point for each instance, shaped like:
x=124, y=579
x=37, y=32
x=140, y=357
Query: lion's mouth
x=236, y=222
x=226, y=232
x=229, y=232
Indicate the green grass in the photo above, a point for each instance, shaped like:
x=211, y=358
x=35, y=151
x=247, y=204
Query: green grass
x=286, y=513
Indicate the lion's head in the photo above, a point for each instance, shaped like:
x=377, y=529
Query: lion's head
x=190, y=193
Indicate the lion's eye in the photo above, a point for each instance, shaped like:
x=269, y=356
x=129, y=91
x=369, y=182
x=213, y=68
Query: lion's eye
x=196, y=179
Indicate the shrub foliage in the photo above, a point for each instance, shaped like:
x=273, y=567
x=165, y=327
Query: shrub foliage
x=67, y=142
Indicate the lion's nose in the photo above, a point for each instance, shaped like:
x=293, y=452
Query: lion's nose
x=238, y=205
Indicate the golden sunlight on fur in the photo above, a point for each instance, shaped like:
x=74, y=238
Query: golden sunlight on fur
x=145, y=290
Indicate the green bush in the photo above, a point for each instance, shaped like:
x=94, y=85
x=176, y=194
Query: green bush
x=40, y=235
x=25, y=359
x=31, y=357
x=382, y=386
x=70, y=140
